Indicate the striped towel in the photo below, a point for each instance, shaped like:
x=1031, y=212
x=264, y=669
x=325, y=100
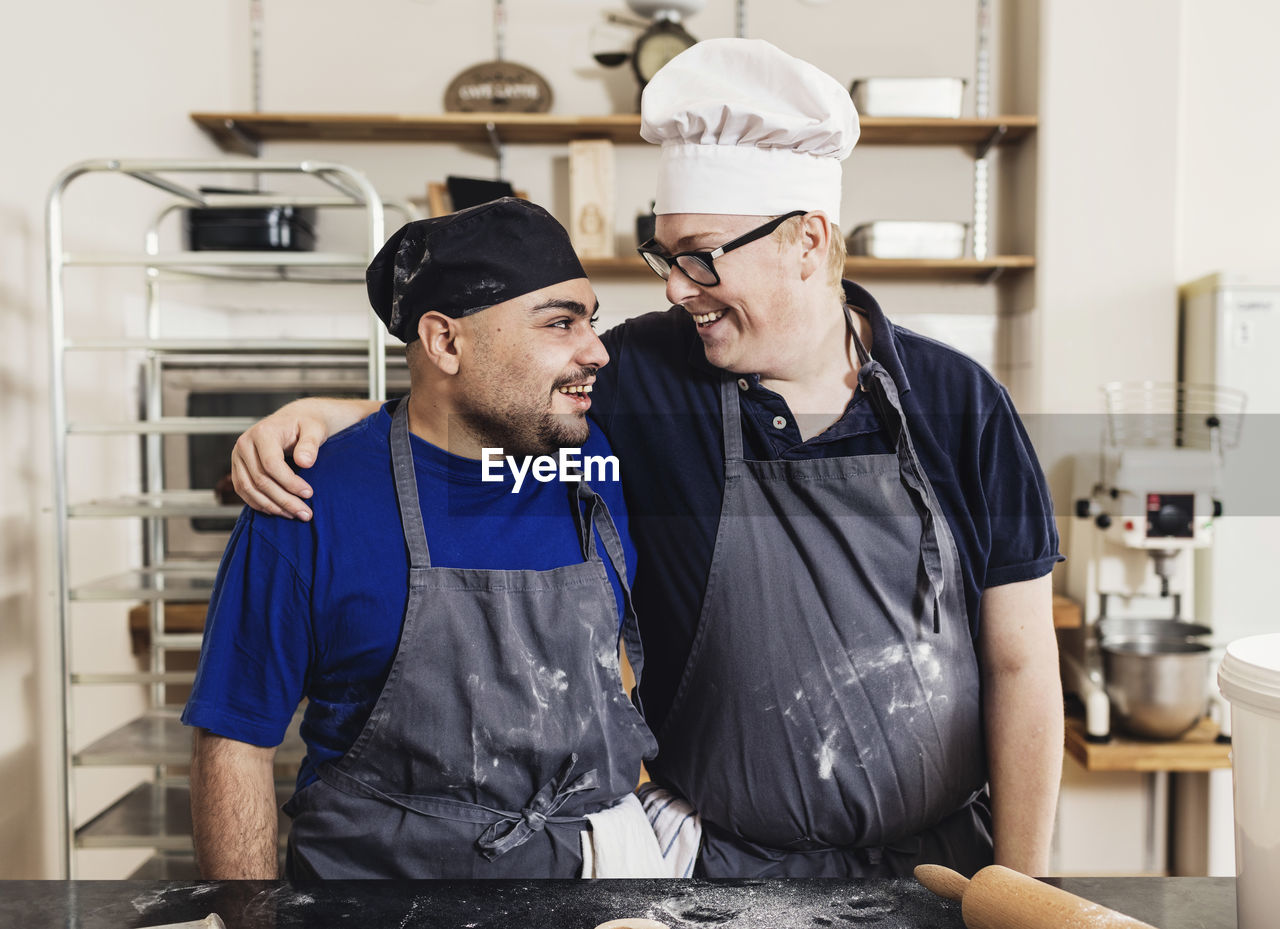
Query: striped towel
x=677, y=826
x=620, y=843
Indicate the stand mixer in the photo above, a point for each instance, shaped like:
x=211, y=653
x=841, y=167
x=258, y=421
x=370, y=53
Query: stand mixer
x=1143, y=507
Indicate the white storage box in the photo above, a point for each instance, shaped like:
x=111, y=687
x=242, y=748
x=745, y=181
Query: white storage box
x=938, y=97
x=894, y=239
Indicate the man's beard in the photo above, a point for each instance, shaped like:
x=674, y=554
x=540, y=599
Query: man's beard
x=508, y=419
x=542, y=434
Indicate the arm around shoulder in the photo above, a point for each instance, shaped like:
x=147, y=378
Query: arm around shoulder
x=263, y=478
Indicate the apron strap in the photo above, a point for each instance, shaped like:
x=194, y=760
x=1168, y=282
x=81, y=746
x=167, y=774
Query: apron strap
x=599, y=517
x=503, y=836
x=583, y=501
x=415, y=534
x=879, y=386
x=506, y=829
x=730, y=417
x=864, y=356
x=888, y=408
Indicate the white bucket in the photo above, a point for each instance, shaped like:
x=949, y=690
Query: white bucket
x=1250, y=680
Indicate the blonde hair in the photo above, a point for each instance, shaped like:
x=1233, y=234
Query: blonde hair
x=789, y=234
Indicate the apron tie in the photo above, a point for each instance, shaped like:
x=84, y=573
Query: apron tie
x=503, y=836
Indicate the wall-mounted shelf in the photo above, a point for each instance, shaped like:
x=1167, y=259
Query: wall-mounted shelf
x=857, y=267
x=243, y=133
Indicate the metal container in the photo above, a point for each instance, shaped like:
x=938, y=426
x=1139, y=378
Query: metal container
x=898, y=239
x=1159, y=687
x=927, y=97
x=259, y=229
x=1117, y=630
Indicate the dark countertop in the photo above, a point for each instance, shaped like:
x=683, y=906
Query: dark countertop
x=1168, y=903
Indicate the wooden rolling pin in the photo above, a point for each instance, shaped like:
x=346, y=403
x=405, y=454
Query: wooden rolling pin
x=1000, y=898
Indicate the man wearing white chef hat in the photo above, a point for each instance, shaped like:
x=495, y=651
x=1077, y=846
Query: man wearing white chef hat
x=844, y=538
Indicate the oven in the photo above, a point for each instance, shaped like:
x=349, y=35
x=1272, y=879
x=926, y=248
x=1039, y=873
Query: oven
x=234, y=386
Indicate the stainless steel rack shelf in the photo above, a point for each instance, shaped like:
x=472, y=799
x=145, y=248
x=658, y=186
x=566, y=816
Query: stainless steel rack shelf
x=167, y=866
x=167, y=503
x=172, y=425
x=158, y=737
x=177, y=582
x=222, y=346
x=133, y=677
x=277, y=259
x=156, y=814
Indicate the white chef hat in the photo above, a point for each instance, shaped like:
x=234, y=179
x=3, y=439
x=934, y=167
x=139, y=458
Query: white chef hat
x=747, y=130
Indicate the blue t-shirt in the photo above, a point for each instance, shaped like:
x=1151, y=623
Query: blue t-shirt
x=315, y=609
x=658, y=401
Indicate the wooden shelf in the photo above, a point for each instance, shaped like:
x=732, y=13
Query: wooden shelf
x=856, y=267
x=1198, y=750
x=986, y=269
x=1066, y=613
x=244, y=132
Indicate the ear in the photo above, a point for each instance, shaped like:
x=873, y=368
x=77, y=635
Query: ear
x=440, y=336
x=815, y=243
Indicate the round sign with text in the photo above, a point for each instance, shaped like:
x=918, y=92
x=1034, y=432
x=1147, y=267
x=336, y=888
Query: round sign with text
x=498, y=87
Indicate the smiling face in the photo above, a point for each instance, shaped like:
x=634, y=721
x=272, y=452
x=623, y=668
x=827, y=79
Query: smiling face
x=524, y=375
x=748, y=321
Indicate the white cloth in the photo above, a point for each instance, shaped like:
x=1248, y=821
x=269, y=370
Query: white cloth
x=677, y=826
x=621, y=843
x=747, y=130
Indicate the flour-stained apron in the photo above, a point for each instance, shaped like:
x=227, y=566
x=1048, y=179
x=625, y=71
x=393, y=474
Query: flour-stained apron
x=828, y=721
x=502, y=722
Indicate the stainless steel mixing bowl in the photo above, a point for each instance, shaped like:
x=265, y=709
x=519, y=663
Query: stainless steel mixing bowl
x=1118, y=629
x=1159, y=687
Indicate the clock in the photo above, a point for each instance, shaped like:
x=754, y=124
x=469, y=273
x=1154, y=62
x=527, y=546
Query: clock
x=662, y=41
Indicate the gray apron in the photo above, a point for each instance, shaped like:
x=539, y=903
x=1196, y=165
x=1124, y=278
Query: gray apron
x=828, y=720
x=502, y=722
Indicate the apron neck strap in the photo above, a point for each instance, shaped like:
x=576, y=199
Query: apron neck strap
x=599, y=519
x=584, y=501
x=415, y=533
x=730, y=417
x=864, y=356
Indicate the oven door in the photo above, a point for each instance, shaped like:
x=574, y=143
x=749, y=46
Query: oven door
x=232, y=386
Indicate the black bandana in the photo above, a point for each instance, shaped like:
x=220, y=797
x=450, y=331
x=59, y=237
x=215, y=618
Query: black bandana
x=467, y=262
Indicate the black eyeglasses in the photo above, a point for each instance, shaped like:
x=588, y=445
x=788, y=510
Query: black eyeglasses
x=699, y=266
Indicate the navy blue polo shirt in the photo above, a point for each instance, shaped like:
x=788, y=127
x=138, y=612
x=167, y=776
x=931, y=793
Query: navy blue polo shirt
x=658, y=403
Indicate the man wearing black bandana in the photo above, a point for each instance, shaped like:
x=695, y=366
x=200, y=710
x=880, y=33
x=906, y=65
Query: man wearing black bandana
x=455, y=637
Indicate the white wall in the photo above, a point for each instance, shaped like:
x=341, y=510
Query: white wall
x=1229, y=188
x=1229, y=220
x=81, y=80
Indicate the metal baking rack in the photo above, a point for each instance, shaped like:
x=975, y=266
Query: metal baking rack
x=154, y=812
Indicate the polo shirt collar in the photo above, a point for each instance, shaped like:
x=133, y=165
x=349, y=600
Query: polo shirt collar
x=884, y=344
